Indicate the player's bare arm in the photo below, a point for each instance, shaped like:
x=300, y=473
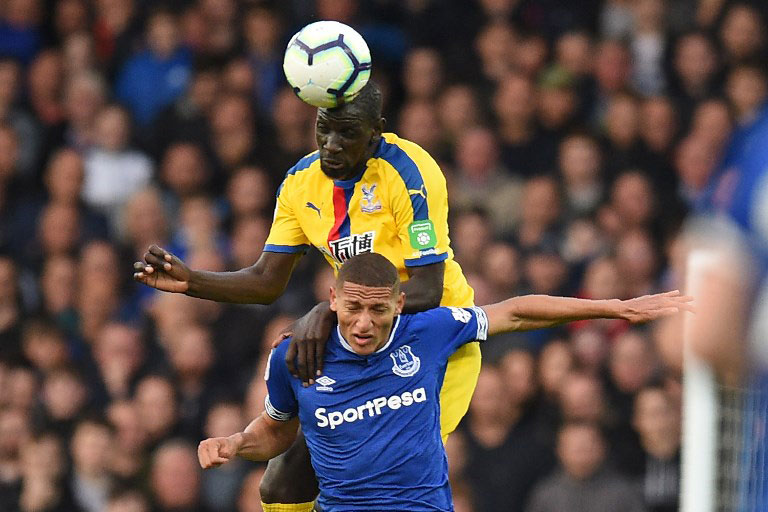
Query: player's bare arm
x=423, y=290
x=262, y=440
x=540, y=311
x=261, y=283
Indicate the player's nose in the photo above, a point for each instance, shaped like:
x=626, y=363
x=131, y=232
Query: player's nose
x=332, y=143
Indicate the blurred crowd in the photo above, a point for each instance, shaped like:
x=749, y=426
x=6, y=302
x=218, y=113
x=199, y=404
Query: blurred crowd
x=575, y=137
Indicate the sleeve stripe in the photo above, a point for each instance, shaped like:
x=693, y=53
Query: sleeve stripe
x=482, y=323
x=410, y=174
x=286, y=248
x=301, y=165
x=426, y=260
x=274, y=413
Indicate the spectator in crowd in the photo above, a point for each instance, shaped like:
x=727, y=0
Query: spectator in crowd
x=175, y=478
x=90, y=482
x=152, y=79
x=583, y=481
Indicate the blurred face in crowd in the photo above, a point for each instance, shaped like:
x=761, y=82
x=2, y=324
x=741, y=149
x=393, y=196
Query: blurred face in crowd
x=59, y=229
x=22, y=388
x=621, y=120
x=64, y=176
x=695, y=61
x=602, y=279
x=501, y=269
x=85, y=95
x=90, y=448
x=422, y=73
x=238, y=76
x=8, y=288
x=113, y=127
x=44, y=77
x=582, y=398
x=590, y=348
x=79, y=54
x=14, y=432
x=581, y=450
x=658, y=123
x=540, y=202
x=636, y=256
x=712, y=122
x=145, y=219
x=70, y=16
x=555, y=361
x=695, y=160
x=612, y=66
x=156, y=406
x=742, y=32
x=262, y=30
x=45, y=347
x=192, y=353
x=518, y=370
x=490, y=404
x=419, y=124
x=9, y=82
x=123, y=417
x=224, y=419
x=64, y=395
x=9, y=152
x=657, y=421
x=556, y=106
x=632, y=198
x=43, y=457
x=175, y=477
x=119, y=348
x=579, y=160
x=546, y=272
x=100, y=258
x=746, y=88
x=477, y=153
x=248, y=238
x=471, y=234
x=631, y=363
x=515, y=100
x=249, y=191
x=458, y=109
x=184, y=169
x=495, y=45
x=573, y=51
x=162, y=34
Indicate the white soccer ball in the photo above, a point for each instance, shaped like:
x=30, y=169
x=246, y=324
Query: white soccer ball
x=327, y=63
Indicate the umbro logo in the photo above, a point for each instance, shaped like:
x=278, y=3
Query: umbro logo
x=325, y=383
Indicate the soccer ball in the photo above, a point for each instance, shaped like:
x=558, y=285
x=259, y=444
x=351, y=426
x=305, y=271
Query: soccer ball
x=327, y=63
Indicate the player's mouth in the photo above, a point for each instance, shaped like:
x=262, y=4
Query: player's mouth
x=335, y=165
x=363, y=339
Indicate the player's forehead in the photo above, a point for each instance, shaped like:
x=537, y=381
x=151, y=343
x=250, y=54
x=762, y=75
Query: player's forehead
x=347, y=115
x=359, y=293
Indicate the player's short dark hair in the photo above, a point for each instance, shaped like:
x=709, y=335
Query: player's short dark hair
x=369, y=102
x=369, y=269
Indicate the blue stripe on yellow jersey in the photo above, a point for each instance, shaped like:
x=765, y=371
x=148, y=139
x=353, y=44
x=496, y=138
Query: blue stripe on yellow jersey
x=397, y=207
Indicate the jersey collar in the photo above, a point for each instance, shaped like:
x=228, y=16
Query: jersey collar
x=344, y=343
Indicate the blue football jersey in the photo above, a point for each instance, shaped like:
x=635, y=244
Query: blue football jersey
x=372, y=423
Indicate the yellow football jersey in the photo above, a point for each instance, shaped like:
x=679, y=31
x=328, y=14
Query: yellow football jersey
x=397, y=207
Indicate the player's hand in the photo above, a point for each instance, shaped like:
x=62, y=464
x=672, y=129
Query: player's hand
x=651, y=307
x=307, y=349
x=213, y=452
x=162, y=270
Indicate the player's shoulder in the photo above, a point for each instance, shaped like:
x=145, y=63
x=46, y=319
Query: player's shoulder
x=304, y=167
x=407, y=158
x=277, y=355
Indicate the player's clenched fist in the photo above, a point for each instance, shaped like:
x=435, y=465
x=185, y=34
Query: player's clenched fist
x=216, y=451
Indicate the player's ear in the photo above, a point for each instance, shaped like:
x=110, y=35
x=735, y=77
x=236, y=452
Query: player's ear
x=400, y=303
x=333, y=299
x=378, y=129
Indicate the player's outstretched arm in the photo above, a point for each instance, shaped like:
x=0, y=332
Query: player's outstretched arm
x=541, y=311
x=260, y=283
x=262, y=440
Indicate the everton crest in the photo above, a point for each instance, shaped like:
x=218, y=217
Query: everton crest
x=405, y=363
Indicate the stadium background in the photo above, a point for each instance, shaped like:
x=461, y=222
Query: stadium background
x=575, y=138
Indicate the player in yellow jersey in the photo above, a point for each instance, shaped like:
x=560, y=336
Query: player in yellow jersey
x=362, y=191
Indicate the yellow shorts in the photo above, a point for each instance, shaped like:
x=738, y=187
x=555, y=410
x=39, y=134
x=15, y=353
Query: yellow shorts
x=458, y=385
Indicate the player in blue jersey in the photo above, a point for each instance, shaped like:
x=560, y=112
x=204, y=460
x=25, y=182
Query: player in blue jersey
x=372, y=420
x=731, y=329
